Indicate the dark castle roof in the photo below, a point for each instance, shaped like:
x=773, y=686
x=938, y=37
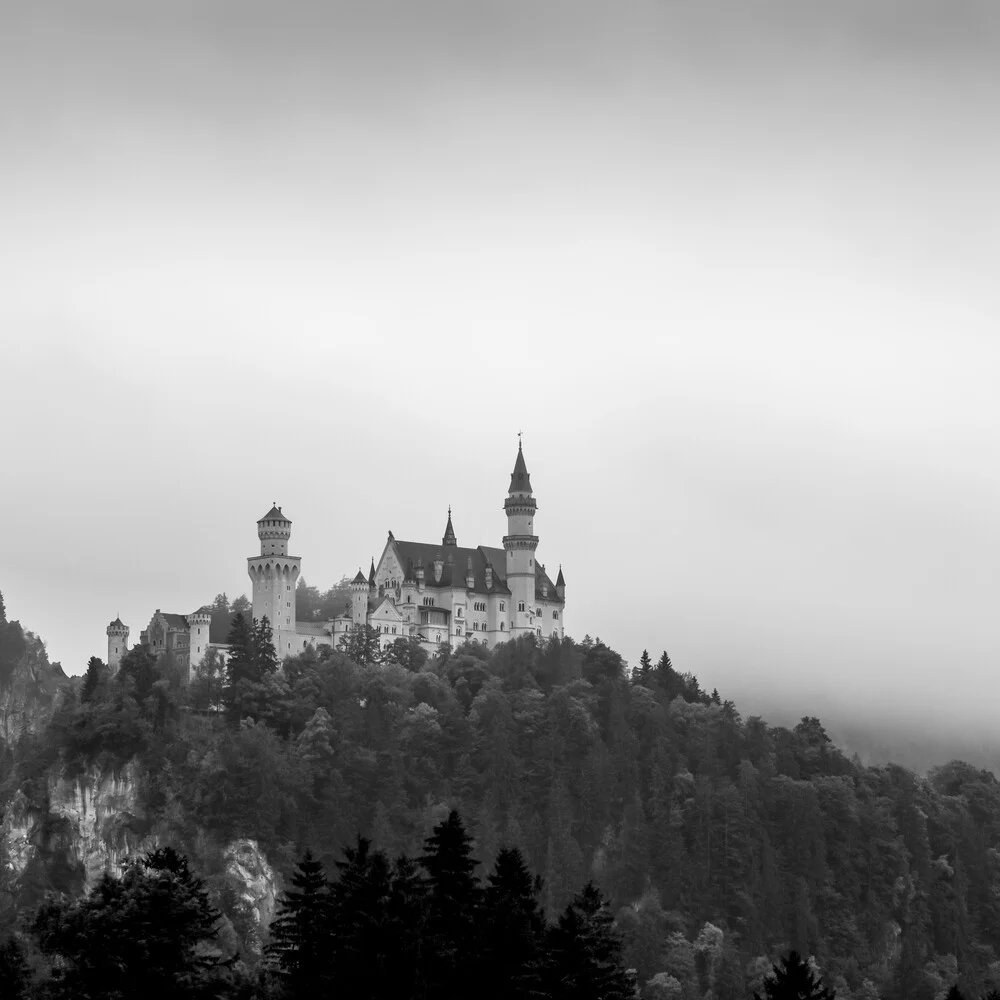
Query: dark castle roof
x=274, y=514
x=413, y=553
x=520, y=481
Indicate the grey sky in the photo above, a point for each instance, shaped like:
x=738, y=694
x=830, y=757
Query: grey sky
x=730, y=266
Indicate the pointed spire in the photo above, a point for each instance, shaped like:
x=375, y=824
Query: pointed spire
x=449, y=532
x=560, y=582
x=371, y=574
x=520, y=481
x=360, y=578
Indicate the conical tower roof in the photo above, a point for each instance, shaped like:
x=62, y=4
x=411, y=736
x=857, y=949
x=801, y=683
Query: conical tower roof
x=520, y=481
x=560, y=582
x=360, y=578
x=371, y=574
x=274, y=514
x=449, y=532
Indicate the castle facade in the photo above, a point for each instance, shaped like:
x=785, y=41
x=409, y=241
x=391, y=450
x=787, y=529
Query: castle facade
x=434, y=593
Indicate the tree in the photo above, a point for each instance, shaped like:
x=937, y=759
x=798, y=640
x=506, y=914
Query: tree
x=241, y=605
x=453, y=911
x=263, y=654
x=643, y=673
x=360, y=901
x=302, y=932
x=513, y=956
x=362, y=645
x=92, y=678
x=408, y=652
x=792, y=979
x=141, y=935
x=15, y=976
x=585, y=952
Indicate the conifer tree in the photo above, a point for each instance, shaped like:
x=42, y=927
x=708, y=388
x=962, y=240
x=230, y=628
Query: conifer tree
x=513, y=956
x=453, y=909
x=240, y=661
x=585, y=952
x=138, y=936
x=15, y=976
x=300, y=951
x=792, y=979
x=263, y=655
x=91, y=679
x=643, y=673
x=360, y=896
x=404, y=930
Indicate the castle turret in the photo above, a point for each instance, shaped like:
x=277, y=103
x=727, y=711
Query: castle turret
x=520, y=543
x=560, y=586
x=274, y=575
x=449, y=532
x=117, y=643
x=371, y=575
x=359, y=599
x=199, y=623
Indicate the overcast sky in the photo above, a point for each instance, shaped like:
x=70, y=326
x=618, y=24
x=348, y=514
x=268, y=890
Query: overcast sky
x=731, y=267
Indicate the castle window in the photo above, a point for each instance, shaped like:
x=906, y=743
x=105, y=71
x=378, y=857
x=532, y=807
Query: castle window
x=520, y=605
x=503, y=605
x=502, y=626
x=555, y=614
x=437, y=637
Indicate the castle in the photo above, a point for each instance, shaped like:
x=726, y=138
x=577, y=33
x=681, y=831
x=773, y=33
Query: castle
x=432, y=593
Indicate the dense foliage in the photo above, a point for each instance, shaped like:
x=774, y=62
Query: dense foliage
x=720, y=842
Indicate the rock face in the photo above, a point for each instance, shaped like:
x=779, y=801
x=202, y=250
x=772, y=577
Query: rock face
x=95, y=821
x=90, y=820
x=254, y=892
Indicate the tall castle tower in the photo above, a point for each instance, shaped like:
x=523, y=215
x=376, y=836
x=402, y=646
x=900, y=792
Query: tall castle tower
x=117, y=644
x=274, y=574
x=520, y=543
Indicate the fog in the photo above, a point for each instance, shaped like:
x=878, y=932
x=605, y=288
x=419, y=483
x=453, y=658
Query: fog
x=730, y=267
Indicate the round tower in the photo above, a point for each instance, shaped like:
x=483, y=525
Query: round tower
x=274, y=531
x=520, y=543
x=359, y=599
x=274, y=575
x=117, y=643
x=199, y=624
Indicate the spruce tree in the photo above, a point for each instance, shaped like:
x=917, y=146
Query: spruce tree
x=514, y=930
x=239, y=664
x=404, y=930
x=263, y=657
x=792, y=979
x=643, y=673
x=585, y=952
x=139, y=936
x=300, y=951
x=15, y=976
x=453, y=910
x=91, y=678
x=360, y=897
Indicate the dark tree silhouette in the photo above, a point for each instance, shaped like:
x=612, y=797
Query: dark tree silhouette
x=453, y=910
x=300, y=951
x=513, y=947
x=585, y=952
x=792, y=979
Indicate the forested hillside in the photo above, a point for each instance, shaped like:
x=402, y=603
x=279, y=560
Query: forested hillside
x=719, y=841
